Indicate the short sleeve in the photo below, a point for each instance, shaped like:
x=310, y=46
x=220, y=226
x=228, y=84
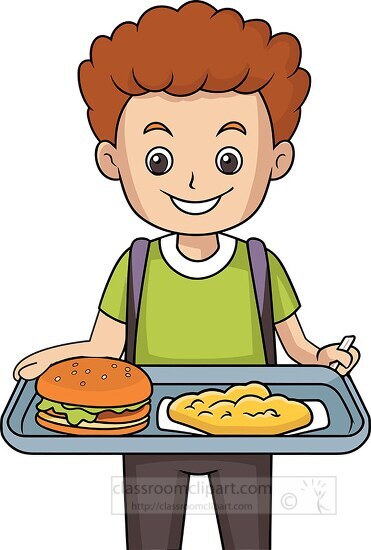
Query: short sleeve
x=113, y=301
x=284, y=297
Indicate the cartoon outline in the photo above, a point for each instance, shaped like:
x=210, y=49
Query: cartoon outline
x=5, y=417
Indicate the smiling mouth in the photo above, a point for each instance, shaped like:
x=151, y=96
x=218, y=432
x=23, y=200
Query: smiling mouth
x=196, y=207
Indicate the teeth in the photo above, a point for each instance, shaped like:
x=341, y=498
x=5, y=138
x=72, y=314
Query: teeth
x=193, y=207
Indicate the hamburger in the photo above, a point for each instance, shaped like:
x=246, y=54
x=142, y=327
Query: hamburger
x=94, y=396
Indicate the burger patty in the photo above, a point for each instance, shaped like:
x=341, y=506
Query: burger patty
x=113, y=417
x=59, y=419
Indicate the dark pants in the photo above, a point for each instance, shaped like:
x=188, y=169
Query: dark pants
x=156, y=489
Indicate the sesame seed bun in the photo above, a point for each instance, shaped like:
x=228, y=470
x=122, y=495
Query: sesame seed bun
x=94, y=382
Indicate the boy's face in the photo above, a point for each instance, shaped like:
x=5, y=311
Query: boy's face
x=196, y=164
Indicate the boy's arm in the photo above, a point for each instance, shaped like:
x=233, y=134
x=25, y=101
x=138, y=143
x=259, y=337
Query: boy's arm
x=107, y=340
x=303, y=351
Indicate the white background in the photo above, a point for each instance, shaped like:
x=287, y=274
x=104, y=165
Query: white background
x=63, y=227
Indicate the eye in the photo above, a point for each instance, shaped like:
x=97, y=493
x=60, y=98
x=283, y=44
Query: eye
x=159, y=161
x=229, y=160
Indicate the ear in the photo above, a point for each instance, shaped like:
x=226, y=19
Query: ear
x=283, y=159
x=105, y=155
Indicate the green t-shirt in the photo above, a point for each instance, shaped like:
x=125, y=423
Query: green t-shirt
x=198, y=312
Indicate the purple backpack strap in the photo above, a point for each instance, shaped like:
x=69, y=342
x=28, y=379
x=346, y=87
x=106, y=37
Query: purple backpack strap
x=257, y=253
x=137, y=266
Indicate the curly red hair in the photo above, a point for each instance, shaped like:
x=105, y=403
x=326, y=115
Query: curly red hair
x=195, y=47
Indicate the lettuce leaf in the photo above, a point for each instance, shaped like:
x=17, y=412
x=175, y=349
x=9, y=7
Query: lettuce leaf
x=96, y=410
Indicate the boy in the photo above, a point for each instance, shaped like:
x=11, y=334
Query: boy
x=194, y=110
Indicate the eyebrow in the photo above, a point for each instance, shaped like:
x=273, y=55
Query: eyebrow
x=156, y=126
x=232, y=125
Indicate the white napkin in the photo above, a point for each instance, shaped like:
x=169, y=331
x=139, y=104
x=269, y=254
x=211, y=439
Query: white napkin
x=164, y=422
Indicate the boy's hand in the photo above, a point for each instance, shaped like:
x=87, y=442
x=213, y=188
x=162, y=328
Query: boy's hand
x=347, y=359
x=107, y=340
x=32, y=366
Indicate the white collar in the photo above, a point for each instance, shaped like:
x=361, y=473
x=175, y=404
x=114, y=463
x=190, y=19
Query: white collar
x=197, y=269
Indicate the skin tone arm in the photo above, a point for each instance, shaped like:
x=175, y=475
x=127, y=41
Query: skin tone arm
x=304, y=352
x=107, y=340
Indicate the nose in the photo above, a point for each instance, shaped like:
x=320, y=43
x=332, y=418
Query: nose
x=191, y=182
